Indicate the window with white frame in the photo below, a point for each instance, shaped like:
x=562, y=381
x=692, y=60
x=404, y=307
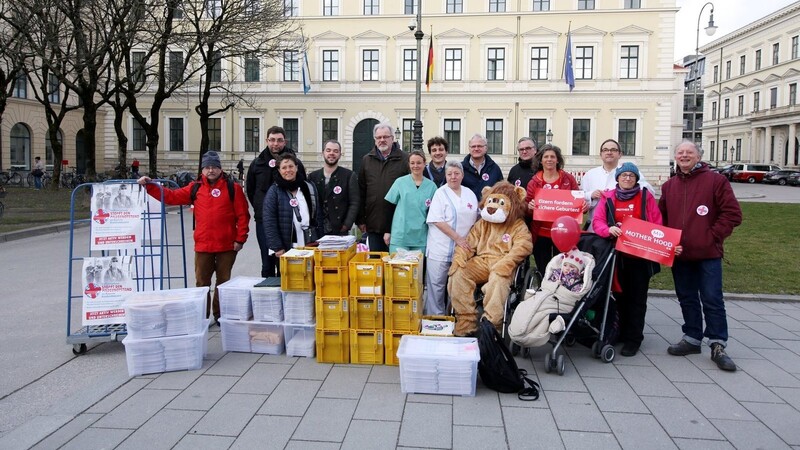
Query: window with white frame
x=213, y=8
x=756, y=101
x=330, y=65
x=292, y=136
x=792, y=94
x=740, y=107
x=539, y=62
x=713, y=110
x=629, y=62
x=633, y=4
x=410, y=7
x=773, y=98
x=372, y=7
x=581, y=134
x=742, y=64
x=138, y=137
x=251, y=141
x=216, y=66
x=454, y=6
x=495, y=64
x=330, y=129
x=758, y=59
x=584, y=62
x=48, y=147
x=795, y=49
x=716, y=73
x=176, y=134
x=541, y=5
x=53, y=89
x=728, y=70
x=537, y=130
x=252, y=72
x=20, y=145
x=251, y=7
x=370, y=65
x=409, y=64
x=408, y=133
x=291, y=65
x=497, y=5
x=177, y=13
x=21, y=85
x=291, y=8
x=175, y=66
x=215, y=134
x=494, y=136
x=452, y=134
x=452, y=64
x=137, y=66
x=626, y=136
x=585, y=4
x=330, y=7
x=776, y=51
x=727, y=108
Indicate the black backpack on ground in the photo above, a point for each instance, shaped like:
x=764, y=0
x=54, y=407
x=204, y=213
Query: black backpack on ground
x=497, y=367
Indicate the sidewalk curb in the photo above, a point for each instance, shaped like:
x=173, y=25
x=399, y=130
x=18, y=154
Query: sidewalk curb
x=775, y=298
x=61, y=227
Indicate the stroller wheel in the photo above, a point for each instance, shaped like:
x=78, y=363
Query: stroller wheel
x=548, y=363
x=526, y=352
x=608, y=353
x=515, y=349
x=596, y=349
x=570, y=341
x=560, y=364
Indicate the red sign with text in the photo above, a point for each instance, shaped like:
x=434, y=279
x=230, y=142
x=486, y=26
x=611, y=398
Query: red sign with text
x=648, y=240
x=554, y=203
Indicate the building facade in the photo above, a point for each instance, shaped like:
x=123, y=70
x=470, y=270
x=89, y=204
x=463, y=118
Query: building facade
x=751, y=112
x=693, y=98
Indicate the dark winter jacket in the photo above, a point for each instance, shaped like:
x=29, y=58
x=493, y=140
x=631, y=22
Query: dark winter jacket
x=435, y=175
x=521, y=173
x=702, y=204
x=278, y=216
x=375, y=178
x=260, y=175
x=339, y=199
x=489, y=175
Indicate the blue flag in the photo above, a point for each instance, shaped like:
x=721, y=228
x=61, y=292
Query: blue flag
x=569, y=75
x=306, y=74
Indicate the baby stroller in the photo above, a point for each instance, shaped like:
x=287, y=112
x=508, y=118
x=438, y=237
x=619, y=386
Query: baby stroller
x=590, y=320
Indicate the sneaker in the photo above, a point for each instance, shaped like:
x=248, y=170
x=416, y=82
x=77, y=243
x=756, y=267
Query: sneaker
x=683, y=348
x=630, y=349
x=722, y=359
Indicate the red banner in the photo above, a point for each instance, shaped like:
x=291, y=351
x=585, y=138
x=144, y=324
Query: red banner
x=648, y=240
x=554, y=203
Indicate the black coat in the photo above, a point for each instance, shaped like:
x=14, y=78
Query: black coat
x=339, y=206
x=260, y=176
x=375, y=178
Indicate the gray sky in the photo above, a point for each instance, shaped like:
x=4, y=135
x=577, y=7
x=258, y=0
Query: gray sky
x=729, y=15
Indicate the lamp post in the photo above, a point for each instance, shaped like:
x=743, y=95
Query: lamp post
x=416, y=140
x=733, y=149
x=549, y=136
x=710, y=30
x=397, y=135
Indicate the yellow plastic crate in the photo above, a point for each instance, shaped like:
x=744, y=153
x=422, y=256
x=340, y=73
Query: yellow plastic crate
x=333, y=346
x=334, y=258
x=402, y=314
x=332, y=313
x=366, y=346
x=366, y=313
x=331, y=281
x=391, y=342
x=403, y=279
x=366, y=274
x=297, y=273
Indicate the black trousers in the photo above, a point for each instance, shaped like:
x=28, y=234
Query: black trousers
x=543, y=252
x=634, y=276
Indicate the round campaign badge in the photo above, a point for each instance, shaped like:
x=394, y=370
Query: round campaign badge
x=272, y=163
x=215, y=192
x=547, y=186
x=337, y=190
x=702, y=210
x=293, y=203
x=506, y=237
x=427, y=202
x=485, y=177
x=517, y=183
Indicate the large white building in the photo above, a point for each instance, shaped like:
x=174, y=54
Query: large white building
x=751, y=111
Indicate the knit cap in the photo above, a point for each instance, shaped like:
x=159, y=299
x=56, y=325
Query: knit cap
x=627, y=167
x=576, y=258
x=211, y=159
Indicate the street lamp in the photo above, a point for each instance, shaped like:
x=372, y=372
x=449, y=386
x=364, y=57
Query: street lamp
x=397, y=135
x=549, y=136
x=710, y=30
x=416, y=140
x=733, y=149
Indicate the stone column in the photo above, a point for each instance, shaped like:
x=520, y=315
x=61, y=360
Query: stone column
x=792, y=131
x=767, y=144
x=753, y=145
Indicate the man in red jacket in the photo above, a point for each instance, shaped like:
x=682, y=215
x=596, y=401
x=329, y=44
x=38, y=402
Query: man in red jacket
x=221, y=225
x=701, y=203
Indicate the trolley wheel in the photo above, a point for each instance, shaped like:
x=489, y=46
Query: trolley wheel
x=79, y=349
x=596, y=349
x=608, y=353
x=570, y=341
x=560, y=364
x=547, y=363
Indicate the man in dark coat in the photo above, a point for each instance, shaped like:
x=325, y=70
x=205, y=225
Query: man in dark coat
x=338, y=191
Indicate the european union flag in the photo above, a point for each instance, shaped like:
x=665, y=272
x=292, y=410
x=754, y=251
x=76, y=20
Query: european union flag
x=569, y=75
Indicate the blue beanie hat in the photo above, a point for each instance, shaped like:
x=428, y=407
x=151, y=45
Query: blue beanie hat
x=211, y=159
x=627, y=167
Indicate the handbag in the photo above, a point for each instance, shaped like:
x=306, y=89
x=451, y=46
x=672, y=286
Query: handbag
x=37, y=172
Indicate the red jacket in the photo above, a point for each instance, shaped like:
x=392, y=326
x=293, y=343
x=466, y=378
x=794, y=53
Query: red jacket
x=600, y=219
x=565, y=181
x=703, y=205
x=218, y=222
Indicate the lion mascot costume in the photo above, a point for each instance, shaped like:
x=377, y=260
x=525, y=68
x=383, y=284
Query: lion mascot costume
x=500, y=241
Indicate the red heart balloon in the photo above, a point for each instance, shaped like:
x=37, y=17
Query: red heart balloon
x=565, y=233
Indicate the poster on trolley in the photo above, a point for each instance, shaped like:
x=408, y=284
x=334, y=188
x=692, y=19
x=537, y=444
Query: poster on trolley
x=117, y=216
x=106, y=281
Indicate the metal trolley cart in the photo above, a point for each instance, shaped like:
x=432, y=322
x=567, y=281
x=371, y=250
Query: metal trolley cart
x=160, y=259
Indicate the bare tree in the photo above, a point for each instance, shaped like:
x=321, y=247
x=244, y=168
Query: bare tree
x=12, y=64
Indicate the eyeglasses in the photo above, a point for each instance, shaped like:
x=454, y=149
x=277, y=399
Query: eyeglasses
x=609, y=150
x=525, y=149
x=385, y=138
x=627, y=175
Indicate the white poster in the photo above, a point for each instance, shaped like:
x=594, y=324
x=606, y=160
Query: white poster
x=117, y=216
x=106, y=282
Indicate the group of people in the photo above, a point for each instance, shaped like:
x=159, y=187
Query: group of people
x=400, y=200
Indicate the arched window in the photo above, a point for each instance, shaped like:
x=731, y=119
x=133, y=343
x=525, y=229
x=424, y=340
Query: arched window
x=20, y=146
x=48, y=147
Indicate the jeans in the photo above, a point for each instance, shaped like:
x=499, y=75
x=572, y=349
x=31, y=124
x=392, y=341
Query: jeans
x=269, y=263
x=37, y=182
x=698, y=285
x=206, y=265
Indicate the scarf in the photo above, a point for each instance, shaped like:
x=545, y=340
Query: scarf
x=526, y=164
x=627, y=194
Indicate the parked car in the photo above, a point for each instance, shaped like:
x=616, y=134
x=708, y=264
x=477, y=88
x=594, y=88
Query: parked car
x=778, y=176
x=751, y=173
x=793, y=179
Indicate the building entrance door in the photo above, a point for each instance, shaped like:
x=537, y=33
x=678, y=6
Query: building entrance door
x=363, y=141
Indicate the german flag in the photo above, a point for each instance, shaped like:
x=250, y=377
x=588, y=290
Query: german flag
x=429, y=71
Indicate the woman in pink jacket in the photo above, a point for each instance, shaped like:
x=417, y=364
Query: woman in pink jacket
x=632, y=274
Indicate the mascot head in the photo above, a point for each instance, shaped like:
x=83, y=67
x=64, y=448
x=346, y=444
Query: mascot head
x=502, y=202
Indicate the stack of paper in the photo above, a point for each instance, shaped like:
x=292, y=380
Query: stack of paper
x=334, y=242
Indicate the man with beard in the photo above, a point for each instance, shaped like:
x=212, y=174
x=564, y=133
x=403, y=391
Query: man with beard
x=523, y=171
x=379, y=168
x=338, y=191
x=260, y=176
x=437, y=148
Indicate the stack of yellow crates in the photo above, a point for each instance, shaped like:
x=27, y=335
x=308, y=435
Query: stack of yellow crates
x=332, y=280
x=404, y=304
x=366, y=308
x=297, y=292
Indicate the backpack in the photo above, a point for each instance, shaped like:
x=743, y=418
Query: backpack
x=497, y=367
x=197, y=184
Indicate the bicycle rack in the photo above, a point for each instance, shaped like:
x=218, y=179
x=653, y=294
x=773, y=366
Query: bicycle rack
x=154, y=259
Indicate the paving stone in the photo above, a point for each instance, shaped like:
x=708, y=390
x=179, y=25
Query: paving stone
x=344, y=382
x=465, y=410
x=527, y=427
x=677, y=368
x=785, y=322
x=163, y=430
x=680, y=418
x=741, y=386
x=638, y=431
x=136, y=410
x=203, y=393
x=64, y=434
x=371, y=434
x=770, y=330
x=230, y=415
x=472, y=437
x=738, y=350
x=381, y=402
x=261, y=379
x=576, y=411
x=327, y=419
x=614, y=395
x=581, y=440
x=122, y=393
x=757, y=308
x=702, y=444
x=747, y=434
x=569, y=382
x=785, y=359
x=178, y=380
x=789, y=395
x=423, y=425
x=755, y=339
x=279, y=359
x=591, y=367
x=430, y=398
x=741, y=314
x=794, y=346
x=780, y=418
x=648, y=381
x=714, y=402
x=97, y=438
x=309, y=445
x=653, y=344
x=768, y=373
x=291, y=398
x=203, y=442
x=655, y=316
x=309, y=369
x=384, y=374
x=234, y=364
x=266, y=432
